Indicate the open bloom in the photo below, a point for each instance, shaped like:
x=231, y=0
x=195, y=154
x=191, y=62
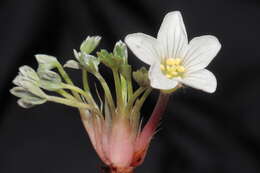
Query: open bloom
x=173, y=60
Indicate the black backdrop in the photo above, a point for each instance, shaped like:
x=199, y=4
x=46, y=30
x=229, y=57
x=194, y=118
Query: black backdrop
x=200, y=133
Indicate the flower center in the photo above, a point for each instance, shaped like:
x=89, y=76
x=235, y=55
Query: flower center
x=172, y=67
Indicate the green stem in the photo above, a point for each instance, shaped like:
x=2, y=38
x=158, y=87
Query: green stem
x=118, y=88
x=66, y=94
x=67, y=79
x=71, y=103
x=106, y=90
x=139, y=103
x=132, y=99
x=85, y=80
x=86, y=95
x=129, y=88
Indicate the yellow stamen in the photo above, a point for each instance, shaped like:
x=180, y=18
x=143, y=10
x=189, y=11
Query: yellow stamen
x=172, y=67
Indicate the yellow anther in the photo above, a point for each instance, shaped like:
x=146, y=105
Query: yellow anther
x=168, y=76
x=173, y=73
x=170, y=61
x=177, y=61
x=172, y=67
x=180, y=69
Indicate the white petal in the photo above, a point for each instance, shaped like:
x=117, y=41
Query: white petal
x=143, y=46
x=201, y=51
x=172, y=35
x=159, y=80
x=203, y=80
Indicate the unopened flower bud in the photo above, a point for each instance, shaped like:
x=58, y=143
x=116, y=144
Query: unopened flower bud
x=89, y=44
x=120, y=51
x=50, y=80
x=141, y=77
x=46, y=62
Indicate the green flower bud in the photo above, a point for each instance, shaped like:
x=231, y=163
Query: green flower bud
x=72, y=64
x=90, y=63
x=30, y=102
x=26, y=73
x=29, y=73
x=89, y=44
x=50, y=80
x=32, y=88
x=27, y=98
x=141, y=77
x=120, y=51
x=46, y=62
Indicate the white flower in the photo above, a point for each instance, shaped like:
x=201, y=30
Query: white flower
x=172, y=59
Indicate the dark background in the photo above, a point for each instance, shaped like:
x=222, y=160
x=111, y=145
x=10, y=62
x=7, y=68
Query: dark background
x=200, y=133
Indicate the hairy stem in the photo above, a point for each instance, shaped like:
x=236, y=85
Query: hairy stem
x=154, y=120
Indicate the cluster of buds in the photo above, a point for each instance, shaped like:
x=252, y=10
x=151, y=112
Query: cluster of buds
x=113, y=124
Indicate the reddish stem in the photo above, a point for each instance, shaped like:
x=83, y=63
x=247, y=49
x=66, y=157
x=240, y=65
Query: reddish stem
x=154, y=120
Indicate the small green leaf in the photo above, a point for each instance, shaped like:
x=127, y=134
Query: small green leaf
x=89, y=44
